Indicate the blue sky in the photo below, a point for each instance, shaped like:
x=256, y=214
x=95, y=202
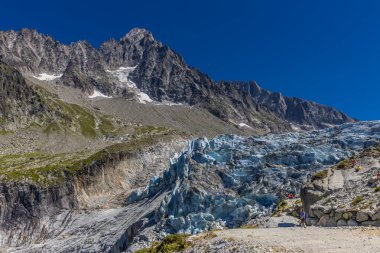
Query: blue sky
x=326, y=51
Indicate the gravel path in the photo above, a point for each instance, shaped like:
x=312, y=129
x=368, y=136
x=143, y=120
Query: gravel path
x=311, y=239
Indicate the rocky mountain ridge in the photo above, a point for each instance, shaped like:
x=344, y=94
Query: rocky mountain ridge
x=161, y=74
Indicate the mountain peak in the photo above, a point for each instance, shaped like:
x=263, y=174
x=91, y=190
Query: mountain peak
x=137, y=34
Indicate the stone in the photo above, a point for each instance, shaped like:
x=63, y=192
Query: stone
x=326, y=221
x=341, y=223
x=370, y=223
x=336, y=216
x=361, y=216
x=318, y=213
x=375, y=216
x=347, y=216
x=352, y=223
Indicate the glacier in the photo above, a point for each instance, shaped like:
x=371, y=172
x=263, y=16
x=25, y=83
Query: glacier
x=230, y=180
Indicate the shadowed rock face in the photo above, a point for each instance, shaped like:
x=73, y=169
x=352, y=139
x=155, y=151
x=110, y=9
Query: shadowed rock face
x=19, y=103
x=293, y=109
x=230, y=180
x=162, y=74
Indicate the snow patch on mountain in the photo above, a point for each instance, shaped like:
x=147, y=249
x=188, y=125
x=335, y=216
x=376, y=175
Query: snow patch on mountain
x=244, y=125
x=47, y=77
x=122, y=73
x=143, y=98
x=98, y=94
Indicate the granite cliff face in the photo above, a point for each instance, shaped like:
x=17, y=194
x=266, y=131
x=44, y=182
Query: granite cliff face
x=161, y=74
x=291, y=109
x=19, y=103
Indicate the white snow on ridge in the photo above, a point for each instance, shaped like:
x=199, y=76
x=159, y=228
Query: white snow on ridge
x=98, y=94
x=47, y=77
x=143, y=98
x=244, y=125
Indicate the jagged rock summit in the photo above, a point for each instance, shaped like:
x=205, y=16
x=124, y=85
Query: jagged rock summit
x=139, y=66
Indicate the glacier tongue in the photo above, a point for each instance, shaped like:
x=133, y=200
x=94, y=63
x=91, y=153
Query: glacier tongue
x=230, y=179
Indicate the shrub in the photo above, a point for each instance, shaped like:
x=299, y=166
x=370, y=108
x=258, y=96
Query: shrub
x=320, y=175
x=377, y=189
x=171, y=243
x=357, y=200
x=343, y=164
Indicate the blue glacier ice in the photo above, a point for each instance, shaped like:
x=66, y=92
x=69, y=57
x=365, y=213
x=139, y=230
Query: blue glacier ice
x=229, y=180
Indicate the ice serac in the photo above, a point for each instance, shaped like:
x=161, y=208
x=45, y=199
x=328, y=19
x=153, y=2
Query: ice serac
x=229, y=180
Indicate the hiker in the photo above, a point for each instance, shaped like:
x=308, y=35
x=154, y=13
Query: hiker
x=303, y=218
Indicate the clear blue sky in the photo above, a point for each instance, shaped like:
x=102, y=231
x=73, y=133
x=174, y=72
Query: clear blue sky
x=323, y=50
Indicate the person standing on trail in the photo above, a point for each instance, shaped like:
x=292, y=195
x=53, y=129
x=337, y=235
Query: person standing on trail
x=302, y=218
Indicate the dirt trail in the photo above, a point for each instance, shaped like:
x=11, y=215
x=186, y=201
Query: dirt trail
x=296, y=239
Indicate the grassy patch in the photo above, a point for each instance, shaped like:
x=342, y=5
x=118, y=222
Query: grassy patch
x=51, y=169
x=105, y=126
x=254, y=226
x=357, y=200
x=280, y=207
x=343, y=164
x=320, y=175
x=171, y=243
x=72, y=117
x=50, y=128
x=4, y=132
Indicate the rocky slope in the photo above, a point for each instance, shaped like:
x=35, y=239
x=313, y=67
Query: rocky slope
x=19, y=103
x=140, y=67
x=75, y=203
x=346, y=194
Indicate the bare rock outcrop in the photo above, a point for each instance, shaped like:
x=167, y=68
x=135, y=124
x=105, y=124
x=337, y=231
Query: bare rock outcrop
x=346, y=194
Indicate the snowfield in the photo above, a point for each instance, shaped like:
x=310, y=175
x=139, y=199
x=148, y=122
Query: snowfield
x=122, y=74
x=98, y=94
x=47, y=77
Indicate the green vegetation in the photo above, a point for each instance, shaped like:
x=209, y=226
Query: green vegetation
x=357, y=200
x=320, y=175
x=280, y=207
x=67, y=117
x=254, y=226
x=4, y=132
x=148, y=130
x=51, y=169
x=171, y=243
x=343, y=164
x=377, y=189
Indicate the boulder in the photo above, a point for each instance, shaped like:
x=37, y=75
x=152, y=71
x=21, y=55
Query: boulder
x=375, y=216
x=326, y=221
x=341, y=223
x=347, y=216
x=361, y=216
x=352, y=223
